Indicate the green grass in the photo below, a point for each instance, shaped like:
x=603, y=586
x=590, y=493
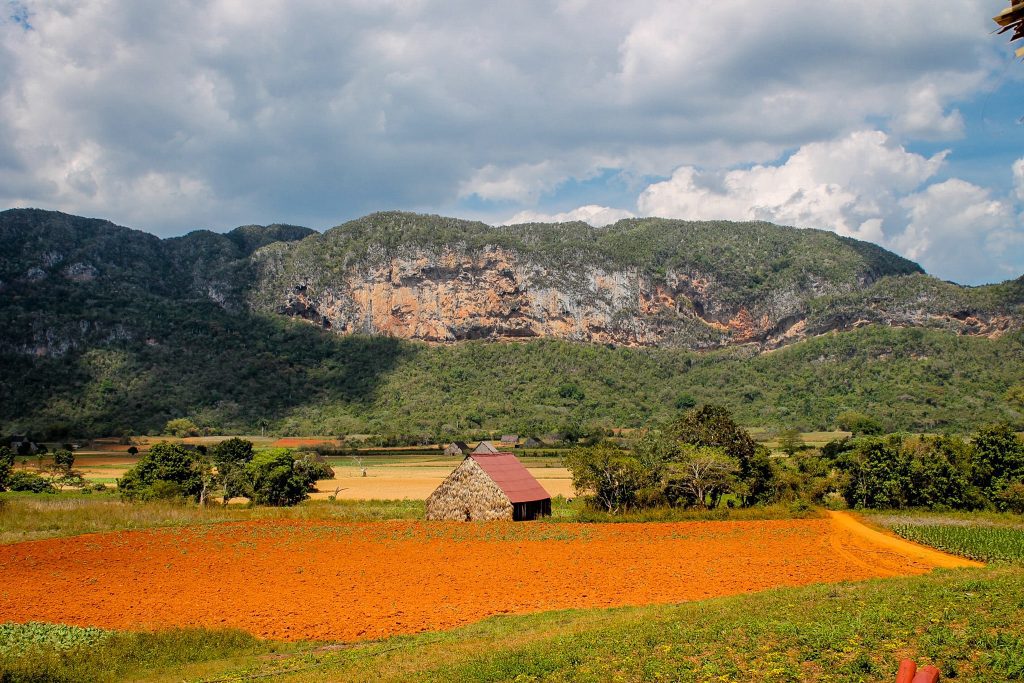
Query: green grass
x=27, y=517
x=578, y=512
x=42, y=652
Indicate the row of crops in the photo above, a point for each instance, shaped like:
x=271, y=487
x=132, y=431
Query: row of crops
x=984, y=543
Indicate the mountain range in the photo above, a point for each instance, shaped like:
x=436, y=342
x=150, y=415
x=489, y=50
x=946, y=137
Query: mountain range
x=96, y=315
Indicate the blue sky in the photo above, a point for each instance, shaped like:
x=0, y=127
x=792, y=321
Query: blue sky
x=897, y=123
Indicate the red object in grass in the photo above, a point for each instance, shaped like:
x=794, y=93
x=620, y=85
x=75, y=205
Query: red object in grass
x=927, y=674
x=908, y=667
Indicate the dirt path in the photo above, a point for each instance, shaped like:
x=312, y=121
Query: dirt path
x=860, y=542
x=328, y=580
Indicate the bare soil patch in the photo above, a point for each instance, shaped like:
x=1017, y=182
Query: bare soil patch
x=327, y=580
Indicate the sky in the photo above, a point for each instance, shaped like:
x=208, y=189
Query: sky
x=898, y=123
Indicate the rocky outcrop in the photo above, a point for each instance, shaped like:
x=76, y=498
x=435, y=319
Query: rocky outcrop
x=639, y=283
x=499, y=294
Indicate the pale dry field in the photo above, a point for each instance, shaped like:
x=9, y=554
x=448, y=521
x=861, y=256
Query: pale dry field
x=417, y=482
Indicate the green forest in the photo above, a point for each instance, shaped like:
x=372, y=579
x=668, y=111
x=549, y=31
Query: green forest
x=235, y=374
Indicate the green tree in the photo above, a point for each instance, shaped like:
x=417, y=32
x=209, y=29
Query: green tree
x=859, y=424
x=63, y=460
x=181, y=427
x=790, y=441
x=700, y=476
x=166, y=471
x=712, y=426
x=940, y=473
x=274, y=478
x=230, y=457
x=613, y=475
x=685, y=401
x=879, y=471
x=998, y=460
x=6, y=464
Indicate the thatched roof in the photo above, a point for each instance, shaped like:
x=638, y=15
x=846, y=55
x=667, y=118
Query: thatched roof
x=485, y=447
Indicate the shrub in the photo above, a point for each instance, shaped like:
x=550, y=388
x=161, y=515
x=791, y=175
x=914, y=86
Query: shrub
x=30, y=482
x=181, y=427
x=1012, y=497
x=166, y=469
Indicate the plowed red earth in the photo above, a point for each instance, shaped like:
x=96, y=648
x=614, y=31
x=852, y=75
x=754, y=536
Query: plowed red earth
x=343, y=581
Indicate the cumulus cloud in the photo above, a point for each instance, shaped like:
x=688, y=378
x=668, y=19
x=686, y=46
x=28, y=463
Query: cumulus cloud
x=850, y=185
x=593, y=214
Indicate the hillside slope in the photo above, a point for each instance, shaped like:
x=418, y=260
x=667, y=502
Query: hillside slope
x=640, y=282
x=106, y=329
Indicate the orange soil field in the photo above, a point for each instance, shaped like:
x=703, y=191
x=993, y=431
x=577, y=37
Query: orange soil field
x=326, y=580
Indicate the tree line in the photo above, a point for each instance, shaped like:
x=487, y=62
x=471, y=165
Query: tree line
x=704, y=457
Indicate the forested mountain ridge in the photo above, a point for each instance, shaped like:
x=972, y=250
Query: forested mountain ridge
x=106, y=330
x=640, y=282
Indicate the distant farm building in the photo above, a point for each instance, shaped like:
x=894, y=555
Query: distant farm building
x=487, y=487
x=532, y=443
x=22, y=445
x=484, y=447
x=510, y=440
x=456, y=448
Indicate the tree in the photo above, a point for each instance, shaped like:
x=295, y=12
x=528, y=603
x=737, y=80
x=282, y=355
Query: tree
x=612, y=474
x=712, y=426
x=685, y=401
x=6, y=464
x=940, y=471
x=166, y=471
x=274, y=478
x=181, y=427
x=998, y=460
x=63, y=460
x=701, y=476
x=230, y=457
x=790, y=441
x=859, y=424
x=879, y=472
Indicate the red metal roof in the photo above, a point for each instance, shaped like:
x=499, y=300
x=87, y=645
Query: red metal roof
x=511, y=477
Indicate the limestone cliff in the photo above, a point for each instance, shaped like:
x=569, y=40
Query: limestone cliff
x=490, y=283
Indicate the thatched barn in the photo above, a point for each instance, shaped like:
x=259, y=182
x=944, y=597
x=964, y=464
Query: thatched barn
x=485, y=447
x=456, y=448
x=486, y=487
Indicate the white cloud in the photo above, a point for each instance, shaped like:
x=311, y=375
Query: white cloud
x=848, y=185
x=595, y=215
x=924, y=117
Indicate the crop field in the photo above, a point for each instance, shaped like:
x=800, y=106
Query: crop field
x=340, y=581
x=991, y=538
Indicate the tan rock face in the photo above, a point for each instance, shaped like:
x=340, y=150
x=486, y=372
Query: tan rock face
x=495, y=293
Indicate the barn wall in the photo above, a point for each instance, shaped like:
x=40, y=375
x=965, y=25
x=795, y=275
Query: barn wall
x=468, y=492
